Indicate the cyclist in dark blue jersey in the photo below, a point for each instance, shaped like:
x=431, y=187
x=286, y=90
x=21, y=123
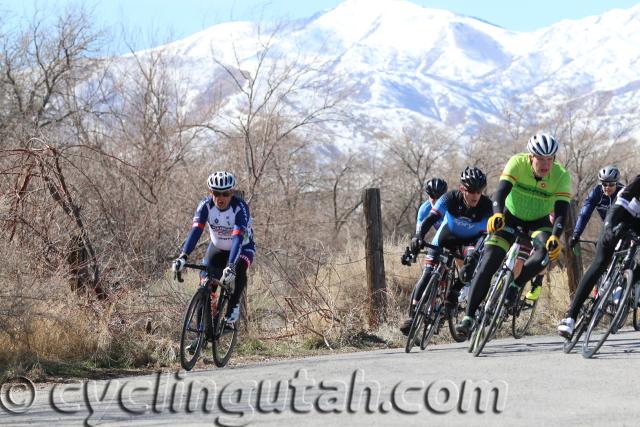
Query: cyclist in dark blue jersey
x=464, y=213
x=231, y=249
x=600, y=199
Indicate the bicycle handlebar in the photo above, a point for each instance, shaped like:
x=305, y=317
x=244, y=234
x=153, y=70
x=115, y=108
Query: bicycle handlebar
x=178, y=274
x=517, y=232
x=409, y=257
x=444, y=250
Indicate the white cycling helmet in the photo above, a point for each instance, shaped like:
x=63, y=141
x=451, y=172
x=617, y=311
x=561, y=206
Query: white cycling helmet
x=609, y=174
x=542, y=144
x=221, y=181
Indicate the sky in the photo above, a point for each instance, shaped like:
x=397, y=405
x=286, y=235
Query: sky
x=160, y=21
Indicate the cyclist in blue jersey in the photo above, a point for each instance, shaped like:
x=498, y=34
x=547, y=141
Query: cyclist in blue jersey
x=600, y=199
x=231, y=249
x=464, y=213
x=434, y=188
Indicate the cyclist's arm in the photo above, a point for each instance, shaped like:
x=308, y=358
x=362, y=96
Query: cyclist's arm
x=561, y=205
x=560, y=210
x=500, y=195
x=437, y=212
x=424, y=210
x=509, y=176
x=239, y=229
x=587, y=210
x=431, y=219
x=199, y=221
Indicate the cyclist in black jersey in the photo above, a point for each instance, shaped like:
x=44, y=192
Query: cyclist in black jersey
x=464, y=213
x=625, y=211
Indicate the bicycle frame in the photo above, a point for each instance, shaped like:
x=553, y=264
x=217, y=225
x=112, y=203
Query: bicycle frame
x=488, y=318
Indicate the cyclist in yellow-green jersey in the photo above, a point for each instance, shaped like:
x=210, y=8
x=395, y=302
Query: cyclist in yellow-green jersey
x=531, y=186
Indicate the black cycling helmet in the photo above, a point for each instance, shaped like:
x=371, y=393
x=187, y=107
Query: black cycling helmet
x=473, y=179
x=435, y=187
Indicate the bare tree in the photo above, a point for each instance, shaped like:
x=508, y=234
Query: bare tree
x=423, y=151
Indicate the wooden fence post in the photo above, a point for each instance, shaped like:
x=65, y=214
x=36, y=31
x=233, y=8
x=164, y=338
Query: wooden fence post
x=374, y=256
x=574, y=259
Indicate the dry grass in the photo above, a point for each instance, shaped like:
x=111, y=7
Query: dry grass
x=321, y=305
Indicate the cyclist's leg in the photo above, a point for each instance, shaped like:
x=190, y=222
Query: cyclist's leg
x=523, y=255
x=538, y=259
x=245, y=260
x=495, y=249
x=471, y=257
x=418, y=289
x=457, y=244
x=604, y=251
x=215, y=259
x=429, y=264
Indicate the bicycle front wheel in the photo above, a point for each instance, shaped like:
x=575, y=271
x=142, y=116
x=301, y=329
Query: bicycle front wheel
x=192, y=336
x=419, y=317
x=431, y=319
x=607, y=314
x=584, y=317
x=636, y=320
x=493, y=311
x=224, y=335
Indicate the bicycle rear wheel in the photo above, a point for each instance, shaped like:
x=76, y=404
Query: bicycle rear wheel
x=607, y=314
x=193, y=335
x=224, y=335
x=492, y=311
x=522, y=315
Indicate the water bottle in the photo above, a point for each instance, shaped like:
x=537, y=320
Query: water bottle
x=464, y=293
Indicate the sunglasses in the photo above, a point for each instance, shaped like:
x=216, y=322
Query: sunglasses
x=221, y=193
x=608, y=184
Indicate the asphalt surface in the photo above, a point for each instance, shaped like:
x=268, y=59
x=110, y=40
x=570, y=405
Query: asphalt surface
x=527, y=382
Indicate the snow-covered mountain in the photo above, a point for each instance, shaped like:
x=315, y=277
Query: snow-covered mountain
x=406, y=61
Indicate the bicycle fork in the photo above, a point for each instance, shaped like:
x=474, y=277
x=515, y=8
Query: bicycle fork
x=506, y=270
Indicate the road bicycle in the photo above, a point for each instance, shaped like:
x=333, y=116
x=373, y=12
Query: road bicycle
x=617, y=296
x=491, y=314
x=427, y=319
x=204, y=321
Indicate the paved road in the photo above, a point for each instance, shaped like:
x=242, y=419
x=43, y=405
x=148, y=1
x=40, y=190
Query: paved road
x=535, y=383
